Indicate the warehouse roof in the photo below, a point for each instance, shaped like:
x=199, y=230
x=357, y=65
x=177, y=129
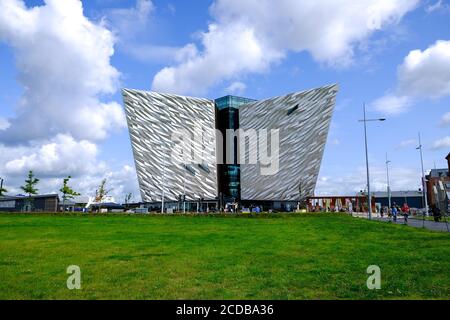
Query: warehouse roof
x=436, y=173
x=20, y=197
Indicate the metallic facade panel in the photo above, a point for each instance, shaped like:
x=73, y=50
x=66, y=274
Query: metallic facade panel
x=152, y=119
x=303, y=120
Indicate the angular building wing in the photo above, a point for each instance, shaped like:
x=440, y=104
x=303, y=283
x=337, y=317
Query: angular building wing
x=303, y=121
x=153, y=119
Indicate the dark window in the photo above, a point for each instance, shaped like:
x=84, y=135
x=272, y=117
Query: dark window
x=190, y=169
x=290, y=111
x=204, y=167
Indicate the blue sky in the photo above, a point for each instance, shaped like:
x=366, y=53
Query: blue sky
x=371, y=56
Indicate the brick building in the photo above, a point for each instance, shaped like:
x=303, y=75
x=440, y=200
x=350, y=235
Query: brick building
x=438, y=186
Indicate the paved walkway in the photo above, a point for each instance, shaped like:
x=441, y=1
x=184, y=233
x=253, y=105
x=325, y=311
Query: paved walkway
x=413, y=222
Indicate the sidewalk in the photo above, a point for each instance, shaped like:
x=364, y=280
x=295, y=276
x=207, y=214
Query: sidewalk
x=416, y=222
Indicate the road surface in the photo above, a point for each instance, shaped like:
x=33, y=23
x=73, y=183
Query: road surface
x=415, y=222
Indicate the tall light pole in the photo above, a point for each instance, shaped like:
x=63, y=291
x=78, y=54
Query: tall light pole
x=184, y=188
x=388, y=182
x=369, y=196
x=163, y=181
x=424, y=185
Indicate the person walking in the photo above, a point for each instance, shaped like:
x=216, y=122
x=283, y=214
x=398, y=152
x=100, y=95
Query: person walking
x=394, y=212
x=436, y=213
x=405, y=211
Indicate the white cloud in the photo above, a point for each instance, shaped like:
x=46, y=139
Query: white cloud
x=407, y=143
x=128, y=21
x=120, y=182
x=423, y=74
x=442, y=143
x=236, y=87
x=4, y=124
x=352, y=182
x=392, y=104
x=446, y=119
x=347, y=23
x=230, y=50
x=249, y=36
x=426, y=73
x=59, y=157
x=123, y=182
x=63, y=64
x=438, y=6
x=133, y=30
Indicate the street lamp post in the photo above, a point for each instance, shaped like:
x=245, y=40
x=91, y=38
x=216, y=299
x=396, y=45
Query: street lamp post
x=369, y=196
x=184, y=189
x=163, y=181
x=388, y=182
x=424, y=185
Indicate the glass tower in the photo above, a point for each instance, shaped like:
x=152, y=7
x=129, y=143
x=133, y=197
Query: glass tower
x=228, y=175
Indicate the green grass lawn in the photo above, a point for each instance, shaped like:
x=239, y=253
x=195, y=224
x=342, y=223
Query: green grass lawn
x=182, y=257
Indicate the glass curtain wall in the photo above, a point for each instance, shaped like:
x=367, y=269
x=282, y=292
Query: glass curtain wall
x=227, y=117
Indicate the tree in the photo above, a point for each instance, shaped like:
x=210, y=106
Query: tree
x=68, y=192
x=2, y=190
x=101, y=193
x=128, y=198
x=29, y=186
